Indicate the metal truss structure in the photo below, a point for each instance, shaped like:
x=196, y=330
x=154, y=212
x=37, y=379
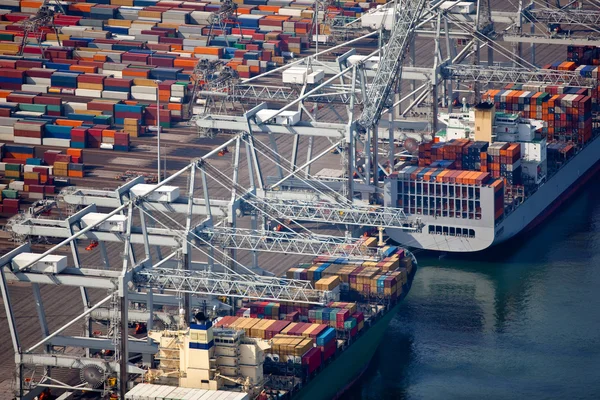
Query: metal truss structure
x=221, y=284
x=287, y=243
x=351, y=102
x=156, y=267
x=187, y=247
x=563, y=16
x=329, y=213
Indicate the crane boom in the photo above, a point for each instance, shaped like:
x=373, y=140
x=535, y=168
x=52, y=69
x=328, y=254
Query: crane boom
x=219, y=284
x=407, y=14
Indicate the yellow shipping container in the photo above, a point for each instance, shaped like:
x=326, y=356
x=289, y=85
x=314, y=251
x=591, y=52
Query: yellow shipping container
x=148, y=14
x=128, y=3
x=31, y=175
x=119, y=22
x=288, y=328
x=144, y=82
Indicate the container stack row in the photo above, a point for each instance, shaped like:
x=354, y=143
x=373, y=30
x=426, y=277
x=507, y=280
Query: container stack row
x=23, y=173
x=291, y=342
x=171, y=35
x=443, y=192
x=464, y=156
x=568, y=116
x=504, y=160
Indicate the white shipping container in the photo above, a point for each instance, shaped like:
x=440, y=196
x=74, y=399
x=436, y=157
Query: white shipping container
x=88, y=93
x=116, y=223
x=50, y=264
x=38, y=81
x=7, y=129
x=27, y=140
x=56, y=142
x=292, y=12
x=163, y=193
x=17, y=185
x=33, y=88
x=7, y=137
x=7, y=121
x=143, y=96
x=143, y=89
x=109, y=94
x=106, y=146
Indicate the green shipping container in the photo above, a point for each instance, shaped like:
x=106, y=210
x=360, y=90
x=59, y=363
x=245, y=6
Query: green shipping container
x=41, y=108
x=13, y=167
x=10, y=194
x=54, y=108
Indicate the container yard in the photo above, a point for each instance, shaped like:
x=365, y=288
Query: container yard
x=152, y=163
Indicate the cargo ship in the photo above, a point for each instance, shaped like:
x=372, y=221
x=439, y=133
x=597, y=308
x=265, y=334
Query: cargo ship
x=498, y=169
x=292, y=350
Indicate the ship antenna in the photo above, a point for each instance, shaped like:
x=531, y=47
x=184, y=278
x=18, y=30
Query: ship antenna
x=464, y=101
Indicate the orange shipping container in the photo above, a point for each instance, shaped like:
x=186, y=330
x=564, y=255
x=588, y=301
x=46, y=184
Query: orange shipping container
x=463, y=178
x=215, y=51
x=440, y=177
x=184, y=62
x=69, y=122
x=75, y=152
x=31, y=4
x=81, y=7
x=136, y=73
x=269, y=8
x=83, y=68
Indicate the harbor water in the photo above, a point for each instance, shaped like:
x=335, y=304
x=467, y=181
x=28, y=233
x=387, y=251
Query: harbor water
x=519, y=321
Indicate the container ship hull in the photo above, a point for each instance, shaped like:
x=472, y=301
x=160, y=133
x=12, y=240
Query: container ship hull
x=349, y=365
x=537, y=207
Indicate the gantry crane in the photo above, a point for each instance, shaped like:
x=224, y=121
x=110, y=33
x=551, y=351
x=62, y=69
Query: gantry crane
x=142, y=276
x=43, y=18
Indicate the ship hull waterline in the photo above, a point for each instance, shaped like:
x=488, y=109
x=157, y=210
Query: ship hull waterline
x=558, y=189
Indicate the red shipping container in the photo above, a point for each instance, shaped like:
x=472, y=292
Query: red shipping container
x=312, y=359
x=63, y=158
x=275, y=328
x=318, y=330
x=41, y=170
x=329, y=349
x=50, y=156
x=91, y=78
x=298, y=329
x=54, y=101
x=36, y=188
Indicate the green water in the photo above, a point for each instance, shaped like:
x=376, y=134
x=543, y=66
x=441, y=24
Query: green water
x=519, y=322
